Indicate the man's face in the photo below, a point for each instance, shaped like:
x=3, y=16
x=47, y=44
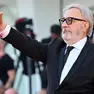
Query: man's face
x=74, y=29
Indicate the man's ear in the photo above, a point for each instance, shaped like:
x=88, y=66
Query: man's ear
x=86, y=26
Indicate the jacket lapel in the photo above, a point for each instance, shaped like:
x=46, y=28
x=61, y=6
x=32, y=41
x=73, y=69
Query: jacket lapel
x=61, y=64
x=78, y=62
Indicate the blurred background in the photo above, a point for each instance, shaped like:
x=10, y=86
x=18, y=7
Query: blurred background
x=38, y=16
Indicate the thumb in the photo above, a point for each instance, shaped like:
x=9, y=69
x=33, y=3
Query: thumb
x=1, y=20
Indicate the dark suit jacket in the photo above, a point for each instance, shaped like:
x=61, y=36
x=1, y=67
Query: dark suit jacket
x=80, y=79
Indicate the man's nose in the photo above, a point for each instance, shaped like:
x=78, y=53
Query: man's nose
x=64, y=24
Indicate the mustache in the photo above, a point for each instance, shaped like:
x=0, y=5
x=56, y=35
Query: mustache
x=65, y=30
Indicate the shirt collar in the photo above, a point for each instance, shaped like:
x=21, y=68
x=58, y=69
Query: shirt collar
x=80, y=44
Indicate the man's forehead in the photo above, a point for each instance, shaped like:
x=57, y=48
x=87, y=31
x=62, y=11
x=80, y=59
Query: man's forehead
x=73, y=12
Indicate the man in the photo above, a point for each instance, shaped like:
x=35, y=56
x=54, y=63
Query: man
x=55, y=32
x=7, y=72
x=74, y=75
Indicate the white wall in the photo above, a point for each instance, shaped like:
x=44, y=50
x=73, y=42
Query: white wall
x=46, y=13
x=87, y=3
x=8, y=2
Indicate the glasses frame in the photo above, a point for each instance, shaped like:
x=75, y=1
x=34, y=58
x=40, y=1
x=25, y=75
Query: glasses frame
x=69, y=20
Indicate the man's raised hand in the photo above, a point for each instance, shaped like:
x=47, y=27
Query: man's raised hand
x=2, y=25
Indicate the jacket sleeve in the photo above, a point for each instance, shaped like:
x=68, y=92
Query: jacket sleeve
x=26, y=45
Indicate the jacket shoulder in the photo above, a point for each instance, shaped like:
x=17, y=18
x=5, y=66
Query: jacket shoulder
x=57, y=41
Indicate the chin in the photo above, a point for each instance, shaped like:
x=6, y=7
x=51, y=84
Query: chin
x=67, y=40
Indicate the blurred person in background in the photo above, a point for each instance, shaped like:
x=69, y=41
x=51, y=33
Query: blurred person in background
x=92, y=36
x=7, y=72
x=24, y=25
x=55, y=32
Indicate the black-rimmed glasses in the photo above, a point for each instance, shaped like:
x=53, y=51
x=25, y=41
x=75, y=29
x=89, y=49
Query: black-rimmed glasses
x=69, y=20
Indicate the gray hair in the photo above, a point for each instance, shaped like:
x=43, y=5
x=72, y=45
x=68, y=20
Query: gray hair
x=85, y=12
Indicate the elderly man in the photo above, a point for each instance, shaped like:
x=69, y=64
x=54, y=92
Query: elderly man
x=68, y=73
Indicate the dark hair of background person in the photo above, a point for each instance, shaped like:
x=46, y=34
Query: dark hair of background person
x=55, y=32
x=56, y=29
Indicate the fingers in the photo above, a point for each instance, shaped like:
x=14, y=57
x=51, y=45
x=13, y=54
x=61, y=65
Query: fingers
x=2, y=25
x=1, y=13
x=1, y=21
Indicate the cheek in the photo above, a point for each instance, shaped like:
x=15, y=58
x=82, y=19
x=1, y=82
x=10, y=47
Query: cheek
x=80, y=30
x=77, y=31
